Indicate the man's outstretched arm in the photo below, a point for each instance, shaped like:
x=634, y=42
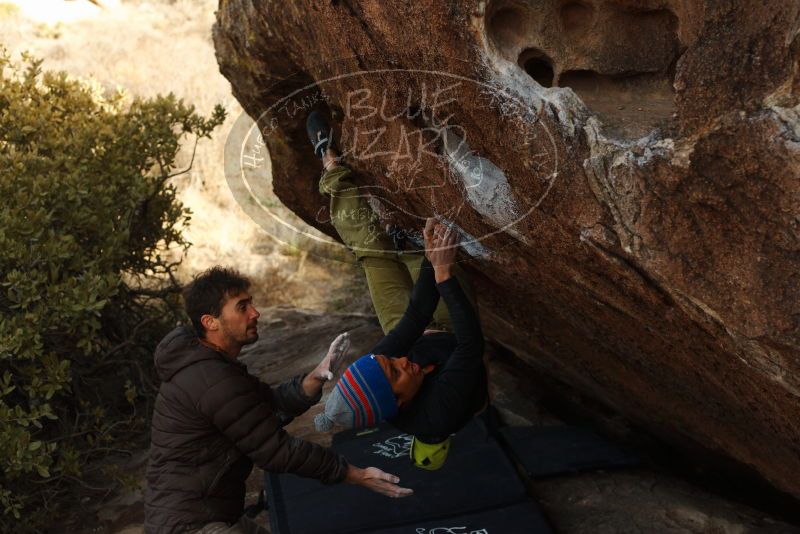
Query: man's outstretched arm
x=237, y=408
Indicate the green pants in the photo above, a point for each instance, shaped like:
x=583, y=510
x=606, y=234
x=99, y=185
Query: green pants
x=390, y=276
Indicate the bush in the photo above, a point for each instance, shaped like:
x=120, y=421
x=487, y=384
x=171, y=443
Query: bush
x=89, y=242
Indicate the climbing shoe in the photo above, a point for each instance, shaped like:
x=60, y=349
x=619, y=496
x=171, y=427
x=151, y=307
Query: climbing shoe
x=320, y=133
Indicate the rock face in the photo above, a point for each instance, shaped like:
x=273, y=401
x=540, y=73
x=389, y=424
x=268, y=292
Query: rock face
x=626, y=174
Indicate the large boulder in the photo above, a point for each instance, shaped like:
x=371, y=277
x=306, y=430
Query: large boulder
x=626, y=174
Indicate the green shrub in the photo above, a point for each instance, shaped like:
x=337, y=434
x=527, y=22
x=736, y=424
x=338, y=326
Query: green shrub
x=89, y=241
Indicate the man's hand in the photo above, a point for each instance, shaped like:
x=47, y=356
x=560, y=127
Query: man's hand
x=333, y=360
x=326, y=369
x=376, y=480
x=441, y=246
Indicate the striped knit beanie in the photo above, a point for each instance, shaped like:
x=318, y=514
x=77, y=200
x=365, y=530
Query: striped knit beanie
x=362, y=397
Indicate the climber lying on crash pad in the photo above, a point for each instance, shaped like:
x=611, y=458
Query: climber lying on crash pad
x=427, y=375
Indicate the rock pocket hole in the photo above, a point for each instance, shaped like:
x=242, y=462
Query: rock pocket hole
x=576, y=16
x=507, y=28
x=538, y=66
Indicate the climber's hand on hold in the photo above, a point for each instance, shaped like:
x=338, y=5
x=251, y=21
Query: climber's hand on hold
x=427, y=235
x=441, y=246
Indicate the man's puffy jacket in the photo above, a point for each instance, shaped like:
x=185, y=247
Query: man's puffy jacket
x=212, y=420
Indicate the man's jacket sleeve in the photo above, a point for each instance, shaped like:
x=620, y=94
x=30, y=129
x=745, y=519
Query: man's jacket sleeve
x=236, y=405
x=288, y=398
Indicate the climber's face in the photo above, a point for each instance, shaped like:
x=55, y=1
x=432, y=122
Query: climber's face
x=404, y=376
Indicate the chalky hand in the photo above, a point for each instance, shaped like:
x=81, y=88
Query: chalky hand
x=327, y=368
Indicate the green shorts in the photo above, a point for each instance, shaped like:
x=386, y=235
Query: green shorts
x=390, y=276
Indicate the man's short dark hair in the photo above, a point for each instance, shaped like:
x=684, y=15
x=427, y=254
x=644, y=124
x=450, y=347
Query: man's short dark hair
x=209, y=290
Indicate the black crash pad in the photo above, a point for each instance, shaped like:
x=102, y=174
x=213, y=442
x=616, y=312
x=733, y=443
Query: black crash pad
x=522, y=518
x=477, y=484
x=560, y=449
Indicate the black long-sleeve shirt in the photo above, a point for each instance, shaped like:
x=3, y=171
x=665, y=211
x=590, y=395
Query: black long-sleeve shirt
x=457, y=387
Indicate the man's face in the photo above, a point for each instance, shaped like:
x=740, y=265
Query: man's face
x=404, y=376
x=238, y=319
